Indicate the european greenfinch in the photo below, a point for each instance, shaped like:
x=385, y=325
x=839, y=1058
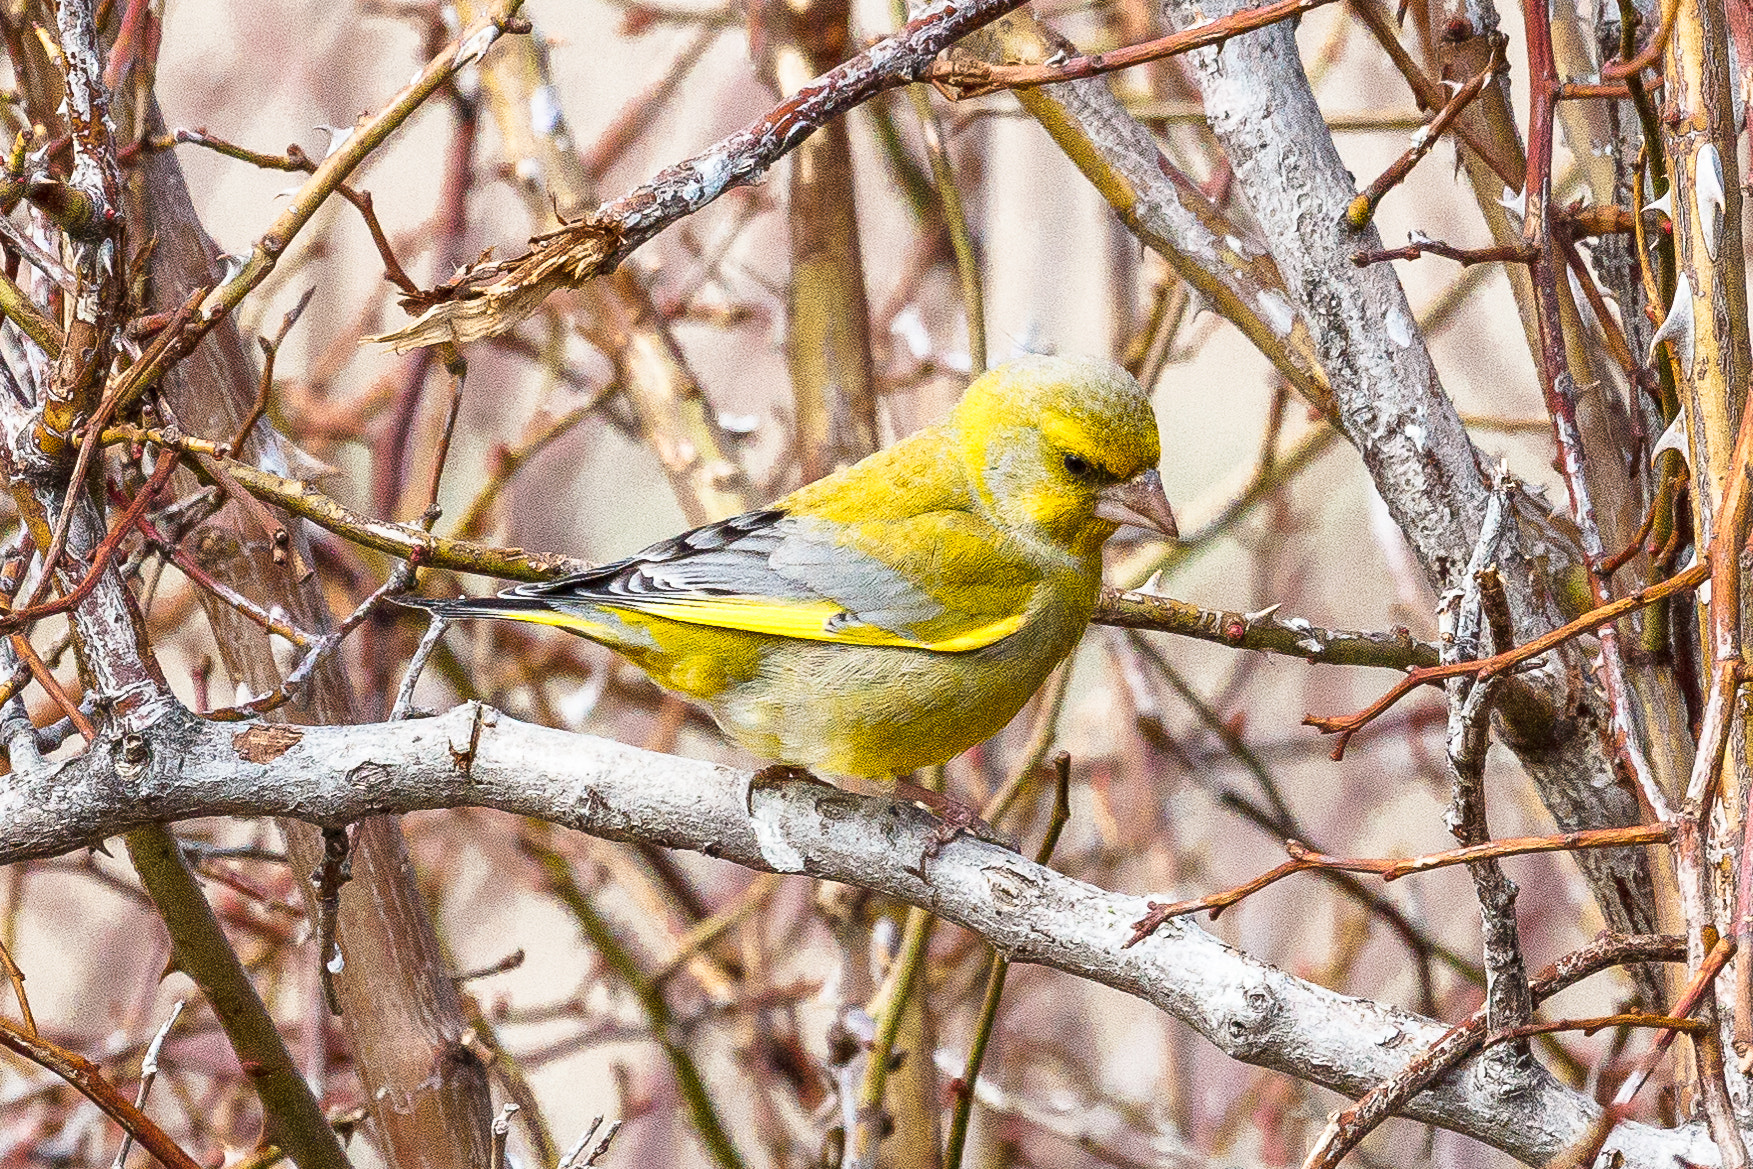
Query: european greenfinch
x=895, y=613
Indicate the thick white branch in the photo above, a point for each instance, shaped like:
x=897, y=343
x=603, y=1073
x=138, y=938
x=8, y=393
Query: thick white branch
x=1393, y=408
x=475, y=756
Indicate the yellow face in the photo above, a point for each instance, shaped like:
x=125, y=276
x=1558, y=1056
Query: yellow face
x=1043, y=438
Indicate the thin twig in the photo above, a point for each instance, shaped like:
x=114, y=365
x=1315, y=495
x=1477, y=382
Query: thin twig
x=1348, y=725
x=88, y=1079
x=270, y=349
x=404, y=704
x=400, y=580
x=16, y=977
x=100, y=559
x=148, y=1073
x=962, y=77
x=1304, y=859
x=1422, y=245
x=1363, y=207
x=963, y=1088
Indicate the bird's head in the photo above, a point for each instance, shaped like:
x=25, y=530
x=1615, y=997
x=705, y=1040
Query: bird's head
x=1063, y=449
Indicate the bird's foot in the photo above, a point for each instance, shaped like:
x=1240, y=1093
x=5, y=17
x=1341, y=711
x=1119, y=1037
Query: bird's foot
x=953, y=818
x=776, y=775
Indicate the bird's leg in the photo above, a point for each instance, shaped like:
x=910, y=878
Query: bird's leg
x=954, y=818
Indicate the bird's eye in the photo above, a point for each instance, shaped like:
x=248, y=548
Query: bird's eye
x=1078, y=465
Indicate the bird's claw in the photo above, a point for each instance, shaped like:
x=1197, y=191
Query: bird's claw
x=953, y=818
x=957, y=818
x=776, y=775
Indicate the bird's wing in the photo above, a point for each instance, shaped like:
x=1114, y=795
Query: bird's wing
x=941, y=581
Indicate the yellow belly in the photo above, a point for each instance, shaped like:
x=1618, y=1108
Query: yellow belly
x=858, y=710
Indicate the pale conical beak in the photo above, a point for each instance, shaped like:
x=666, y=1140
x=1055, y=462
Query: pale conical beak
x=1138, y=501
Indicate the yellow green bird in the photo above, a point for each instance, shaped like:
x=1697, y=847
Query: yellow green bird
x=895, y=613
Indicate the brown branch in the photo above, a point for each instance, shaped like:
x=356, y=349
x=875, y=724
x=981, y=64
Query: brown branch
x=1521, y=845
x=296, y=161
x=1609, y=91
x=1499, y=155
x=401, y=578
x=1671, y=1024
x=1466, y=257
x=1292, y=637
x=16, y=977
x=1615, y=70
x=1346, y=726
x=46, y=679
x=403, y=540
x=491, y=297
x=1604, y=220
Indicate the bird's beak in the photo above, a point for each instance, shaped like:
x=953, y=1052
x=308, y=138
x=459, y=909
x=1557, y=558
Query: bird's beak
x=1138, y=501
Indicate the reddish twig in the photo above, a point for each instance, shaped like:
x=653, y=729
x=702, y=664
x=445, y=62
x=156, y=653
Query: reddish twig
x=88, y=1079
x=296, y=161
x=265, y=384
x=100, y=418
x=16, y=977
x=1690, y=997
x=392, y=267
x=188, y=567
x=1363, y=208
x=1484, y=668
x=1671, y=1024
x=46, y=679
x=1621, y=558
x=458, y=369
x=1352, y=1124
x=1609, y=91
x=1617, y=345
x=1303, y=859
x=100, y=559
x=961, y=78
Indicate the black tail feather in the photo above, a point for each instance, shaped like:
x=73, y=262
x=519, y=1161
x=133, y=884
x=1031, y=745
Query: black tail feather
x=502, y=606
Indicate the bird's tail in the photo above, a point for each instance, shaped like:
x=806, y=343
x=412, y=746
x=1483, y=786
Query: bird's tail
x=510, y=608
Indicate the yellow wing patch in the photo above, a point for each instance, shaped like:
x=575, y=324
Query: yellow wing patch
x=810, y=621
